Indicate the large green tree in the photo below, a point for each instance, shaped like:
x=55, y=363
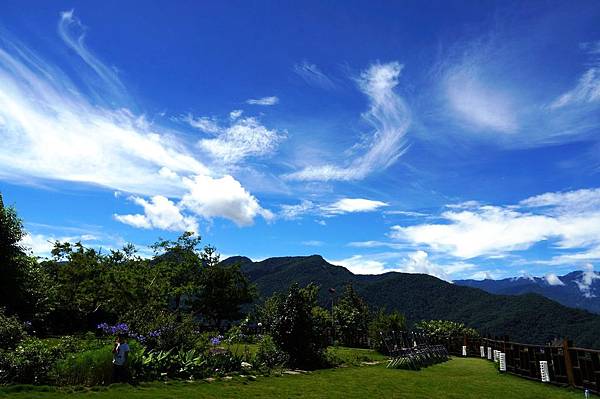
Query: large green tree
x=351, y=318
x=24, y=286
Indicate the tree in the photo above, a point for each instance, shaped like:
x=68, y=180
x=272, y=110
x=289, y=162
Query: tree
x=221, y=293
x=298, y=326
x=23, y=284
x=384, y=325
x=351, y=317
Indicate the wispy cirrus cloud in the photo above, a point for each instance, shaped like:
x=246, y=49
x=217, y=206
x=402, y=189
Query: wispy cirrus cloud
x=587, y=89
x=52, y=129
x=390, y=118
x=339, y=207
x=271, y=100
x=313, y=75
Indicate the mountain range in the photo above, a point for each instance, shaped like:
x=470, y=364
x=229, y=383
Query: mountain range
x=578, y=289
x=528, y=318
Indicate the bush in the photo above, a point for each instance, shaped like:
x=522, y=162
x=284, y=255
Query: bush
x=443, y=329
x=91, y=367
x=268, y=355
x=30, y=362
x=12, y=331
x=298, y=326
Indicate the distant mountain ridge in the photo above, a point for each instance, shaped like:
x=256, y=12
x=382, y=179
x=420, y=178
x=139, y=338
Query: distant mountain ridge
x=529, y=318
x=578, y=289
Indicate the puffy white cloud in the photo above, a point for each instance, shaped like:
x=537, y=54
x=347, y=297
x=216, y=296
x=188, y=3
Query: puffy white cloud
x=390, y=119
x=313, y=75
x=160, y=213
x=272, y=100
x=225, y=197
x=480, y=230
x=553, y=279
x=359, y=264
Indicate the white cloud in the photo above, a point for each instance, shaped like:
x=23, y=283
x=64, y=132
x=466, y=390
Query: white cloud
x=313, y=243
x=342, y=206
x=358, y=264
x=272, y=100
x=553, y=279
x=390, y=118
x=491, y=230
x=313, y=75
x=587, y=89
x=245, y=138
x=236, y=113
x=53, y=130
x=587, y=279
x=414, y=262
x=224, y=197
x=203, y=123
x=72, y=32
x=291, y=212
x=160, y=213
x=42, y=244
x=352, y=205
x=478, y=105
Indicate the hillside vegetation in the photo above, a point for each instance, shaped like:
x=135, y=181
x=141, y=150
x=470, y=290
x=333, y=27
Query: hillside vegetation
x=529, y=318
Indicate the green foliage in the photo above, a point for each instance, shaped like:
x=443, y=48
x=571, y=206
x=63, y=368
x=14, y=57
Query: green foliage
x=90, y=367
x=268, y=355
x=351, y=318
x=221, y=292
x=23, y=286
x=382, y=325
x=524, y=318
x=30, y=362
x=298, y=326
x=11, y=331
x=442, y=329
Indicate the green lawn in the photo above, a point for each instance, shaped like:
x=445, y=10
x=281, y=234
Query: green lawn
x=457, y=378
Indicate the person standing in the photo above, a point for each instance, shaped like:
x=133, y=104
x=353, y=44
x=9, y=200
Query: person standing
x=120, y=357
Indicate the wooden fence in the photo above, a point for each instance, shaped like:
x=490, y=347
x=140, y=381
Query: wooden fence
x=567, y=365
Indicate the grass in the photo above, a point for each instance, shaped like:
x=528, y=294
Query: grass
x=457, y=378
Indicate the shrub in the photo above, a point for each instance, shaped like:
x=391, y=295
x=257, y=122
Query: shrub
x=443, y=329
x=94, y=366
x=268, y=355
x=30, y=362
x=12, y=331
x=298, y=326
x=91, y=367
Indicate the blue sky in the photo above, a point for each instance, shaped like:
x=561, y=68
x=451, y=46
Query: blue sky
x=459, y=139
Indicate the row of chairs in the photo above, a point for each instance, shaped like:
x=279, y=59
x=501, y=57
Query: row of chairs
x=415, y=358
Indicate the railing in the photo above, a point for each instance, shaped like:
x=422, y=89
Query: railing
x=567, y=365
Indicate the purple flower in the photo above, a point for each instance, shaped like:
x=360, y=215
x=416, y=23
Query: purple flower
x=215, y=341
